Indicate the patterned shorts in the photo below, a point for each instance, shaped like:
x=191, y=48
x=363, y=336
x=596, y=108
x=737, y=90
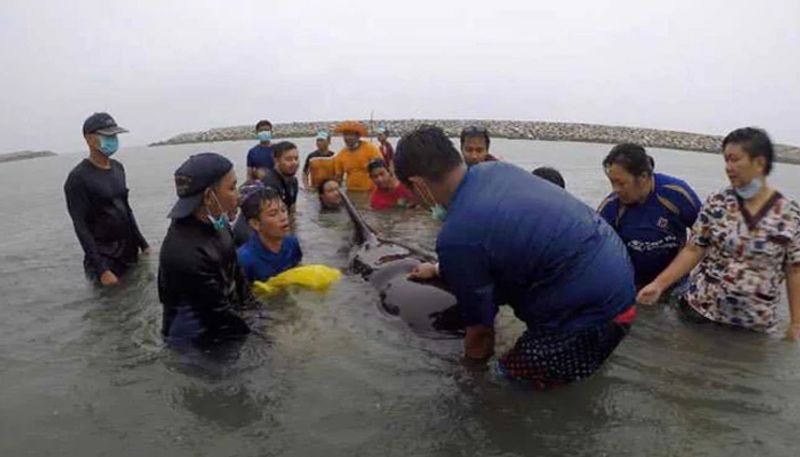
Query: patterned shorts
x=548, y=358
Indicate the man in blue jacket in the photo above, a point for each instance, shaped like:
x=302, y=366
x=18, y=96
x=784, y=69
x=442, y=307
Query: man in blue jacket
x=511, y=238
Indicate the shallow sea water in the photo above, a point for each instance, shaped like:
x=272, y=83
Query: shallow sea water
x=83, y=372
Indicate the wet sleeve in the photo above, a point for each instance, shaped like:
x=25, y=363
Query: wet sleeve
x=208, y=287
x=244, y=290
x=701, y=230
x=140, y=241
x=465, y=269
x=78, y=208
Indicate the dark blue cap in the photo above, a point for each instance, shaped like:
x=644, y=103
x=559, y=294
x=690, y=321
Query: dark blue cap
x=102, y=124
x=195, y=175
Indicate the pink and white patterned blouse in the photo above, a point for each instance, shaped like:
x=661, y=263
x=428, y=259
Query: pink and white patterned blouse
x=739, y=280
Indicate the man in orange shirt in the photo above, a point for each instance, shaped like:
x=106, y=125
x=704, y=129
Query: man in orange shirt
x=353, y=159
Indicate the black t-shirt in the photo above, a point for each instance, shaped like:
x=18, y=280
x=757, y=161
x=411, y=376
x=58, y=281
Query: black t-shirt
x=286, y=186
x=97, y=201
x=200, y=283
x=314, y=155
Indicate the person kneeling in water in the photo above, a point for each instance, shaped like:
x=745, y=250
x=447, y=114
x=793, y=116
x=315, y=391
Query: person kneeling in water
x=388, y=192
x=270, y=250
x=542, y=251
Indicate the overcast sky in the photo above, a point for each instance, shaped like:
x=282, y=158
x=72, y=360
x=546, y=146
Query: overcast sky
x=162, y=67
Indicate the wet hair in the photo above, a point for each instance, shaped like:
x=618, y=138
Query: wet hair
x=475, y=132
x=426, y=152
x=255, y=201
x=374, y=164
x=755, y=142
x=321, y=186
x=263, y=123
x=284, y=146
x=550, y=174
x=632, y=157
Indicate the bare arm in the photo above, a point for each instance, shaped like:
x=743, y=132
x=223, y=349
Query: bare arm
x=683, y=263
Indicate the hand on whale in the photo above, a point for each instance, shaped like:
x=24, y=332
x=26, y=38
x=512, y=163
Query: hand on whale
x=424, y=302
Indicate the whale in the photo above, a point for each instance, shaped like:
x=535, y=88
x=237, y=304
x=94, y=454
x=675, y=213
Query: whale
x=428, y=307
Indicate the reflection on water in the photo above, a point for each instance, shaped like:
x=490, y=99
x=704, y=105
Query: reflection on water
x=83, y=371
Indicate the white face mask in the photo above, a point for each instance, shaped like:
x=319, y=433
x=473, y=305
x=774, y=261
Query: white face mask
x=750, y=189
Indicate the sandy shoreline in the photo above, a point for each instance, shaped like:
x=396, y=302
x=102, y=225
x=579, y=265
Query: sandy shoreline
x=528, y=130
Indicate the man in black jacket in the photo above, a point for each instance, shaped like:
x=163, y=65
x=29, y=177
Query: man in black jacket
x=200, y=283
x=97, y=201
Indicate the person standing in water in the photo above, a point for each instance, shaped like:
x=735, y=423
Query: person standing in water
x=744, y=245
x=260, y=155
x=272, y=249
x=282, y=177
x=319, y=164
x=475, y=144
x=386, y=148
x=651, y=212
x=352, y=160
x=97, y=201
x=389, y=192
x=512, y=238
x=200, y=283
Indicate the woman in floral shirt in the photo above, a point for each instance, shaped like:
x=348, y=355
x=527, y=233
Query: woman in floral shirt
x=745, y=243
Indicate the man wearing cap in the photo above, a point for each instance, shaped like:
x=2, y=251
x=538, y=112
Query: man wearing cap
x=200, y=282
x=319, y=164
x=97, y=201
x=260, y=155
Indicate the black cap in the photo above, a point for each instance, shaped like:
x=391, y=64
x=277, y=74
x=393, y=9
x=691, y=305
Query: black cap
x=195, y=175
x=102, y=124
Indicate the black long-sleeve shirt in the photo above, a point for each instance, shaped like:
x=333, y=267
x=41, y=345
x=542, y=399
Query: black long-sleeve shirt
x=97, y=201
x=200, y=283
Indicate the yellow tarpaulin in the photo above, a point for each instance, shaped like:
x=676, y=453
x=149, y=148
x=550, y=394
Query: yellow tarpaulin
x=314, y=277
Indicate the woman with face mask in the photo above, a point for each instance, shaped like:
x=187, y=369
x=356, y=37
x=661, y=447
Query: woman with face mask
x=200, y=282
x=744, y=245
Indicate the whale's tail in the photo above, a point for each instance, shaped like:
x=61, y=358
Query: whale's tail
x=364, y=233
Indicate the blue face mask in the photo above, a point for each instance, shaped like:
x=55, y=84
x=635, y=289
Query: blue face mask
x=219, y=223
x=749, y=190
x=109, y=145
x=264, y=136
x=439, y=212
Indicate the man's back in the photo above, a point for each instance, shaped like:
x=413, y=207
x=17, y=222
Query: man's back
x=533, y=246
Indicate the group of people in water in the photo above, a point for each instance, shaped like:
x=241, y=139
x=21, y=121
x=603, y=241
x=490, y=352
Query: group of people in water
x=573, y=274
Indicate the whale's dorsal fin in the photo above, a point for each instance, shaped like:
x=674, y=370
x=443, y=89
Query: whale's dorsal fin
x=364, y=233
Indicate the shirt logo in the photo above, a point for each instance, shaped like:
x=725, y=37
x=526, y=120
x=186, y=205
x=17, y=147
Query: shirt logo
x=662, y=223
